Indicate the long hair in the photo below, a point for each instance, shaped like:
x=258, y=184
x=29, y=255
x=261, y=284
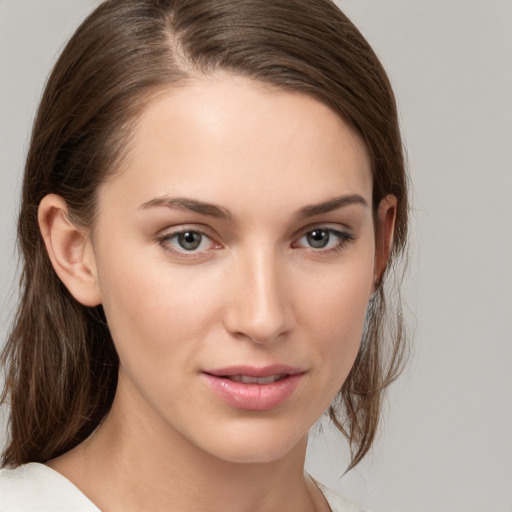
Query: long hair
x=61, y=364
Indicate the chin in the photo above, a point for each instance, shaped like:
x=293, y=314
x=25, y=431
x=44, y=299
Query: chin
x=256, y=445
x=254, y=454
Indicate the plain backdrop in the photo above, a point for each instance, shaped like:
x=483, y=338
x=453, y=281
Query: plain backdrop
x=445, y=443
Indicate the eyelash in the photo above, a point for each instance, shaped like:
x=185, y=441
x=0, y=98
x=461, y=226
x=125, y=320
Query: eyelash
x=164, y=241
x=342, y=236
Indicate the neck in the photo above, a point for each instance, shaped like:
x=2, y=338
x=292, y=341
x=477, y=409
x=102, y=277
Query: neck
x=141, y=464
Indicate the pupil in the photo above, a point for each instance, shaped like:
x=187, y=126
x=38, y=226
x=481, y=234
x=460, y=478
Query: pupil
x=189, y=240
x=318, y=238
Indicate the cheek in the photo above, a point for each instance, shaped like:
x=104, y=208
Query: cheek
x=340, y=295
x=150, y=309
x=336, y=315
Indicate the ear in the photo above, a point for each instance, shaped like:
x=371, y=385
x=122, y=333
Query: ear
x=386, y=215
x=70, y=250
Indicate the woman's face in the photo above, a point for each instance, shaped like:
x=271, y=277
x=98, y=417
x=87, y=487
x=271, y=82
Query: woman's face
x=235, y=256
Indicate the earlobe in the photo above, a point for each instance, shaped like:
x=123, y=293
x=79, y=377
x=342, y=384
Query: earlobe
x=386, y=215
x=69, y=249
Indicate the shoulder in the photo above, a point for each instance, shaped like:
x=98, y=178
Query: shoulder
x=37, y=488
x=336, y=502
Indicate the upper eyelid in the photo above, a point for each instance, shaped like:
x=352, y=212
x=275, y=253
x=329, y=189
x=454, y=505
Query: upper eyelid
x=171, y=231
x=338, y=232
x=330, y=226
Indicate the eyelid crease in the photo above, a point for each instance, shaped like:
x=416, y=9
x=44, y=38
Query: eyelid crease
x=337, y=227
x=170, y=230
x=167, y=235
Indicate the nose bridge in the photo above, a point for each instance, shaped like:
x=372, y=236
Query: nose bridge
x=260, y=308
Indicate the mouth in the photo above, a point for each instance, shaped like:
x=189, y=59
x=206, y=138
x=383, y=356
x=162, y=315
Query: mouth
x=247, y=379
x=254, y=389
x=274, y=371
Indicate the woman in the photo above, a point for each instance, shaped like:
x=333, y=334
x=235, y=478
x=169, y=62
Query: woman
x=213, y=197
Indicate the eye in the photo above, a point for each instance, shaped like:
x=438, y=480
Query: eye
x=323, y=239
x=187, y=241
x=190, y=240
x=319, y=238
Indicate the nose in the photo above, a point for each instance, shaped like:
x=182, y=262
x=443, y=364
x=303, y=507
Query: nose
x=260, y=303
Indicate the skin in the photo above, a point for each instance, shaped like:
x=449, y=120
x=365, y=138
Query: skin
x=254, y=292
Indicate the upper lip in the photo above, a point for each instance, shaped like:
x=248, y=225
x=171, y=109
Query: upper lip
x=253, y=371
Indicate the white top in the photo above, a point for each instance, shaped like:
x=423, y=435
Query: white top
x=37, y=488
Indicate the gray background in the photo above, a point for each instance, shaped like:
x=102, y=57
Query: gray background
x=446, y=443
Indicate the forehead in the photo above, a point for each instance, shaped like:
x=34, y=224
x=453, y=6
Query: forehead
x=229, y=139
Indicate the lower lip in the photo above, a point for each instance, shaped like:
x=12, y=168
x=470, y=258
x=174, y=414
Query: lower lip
x=253, y=397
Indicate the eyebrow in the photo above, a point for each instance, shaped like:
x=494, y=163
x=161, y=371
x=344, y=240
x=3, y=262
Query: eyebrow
x=191, y=205
x=213, y=210
x=331, y=205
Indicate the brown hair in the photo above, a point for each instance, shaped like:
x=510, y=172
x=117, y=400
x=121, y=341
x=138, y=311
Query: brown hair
x=61, y=364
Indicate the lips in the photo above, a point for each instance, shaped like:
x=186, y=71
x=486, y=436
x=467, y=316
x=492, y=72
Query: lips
x=252, y=371
x=254, y=389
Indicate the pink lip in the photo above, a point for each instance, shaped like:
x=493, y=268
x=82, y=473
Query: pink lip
x=253, y=396
x=252, y=371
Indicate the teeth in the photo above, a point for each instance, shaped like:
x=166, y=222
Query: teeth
x=245, y=379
